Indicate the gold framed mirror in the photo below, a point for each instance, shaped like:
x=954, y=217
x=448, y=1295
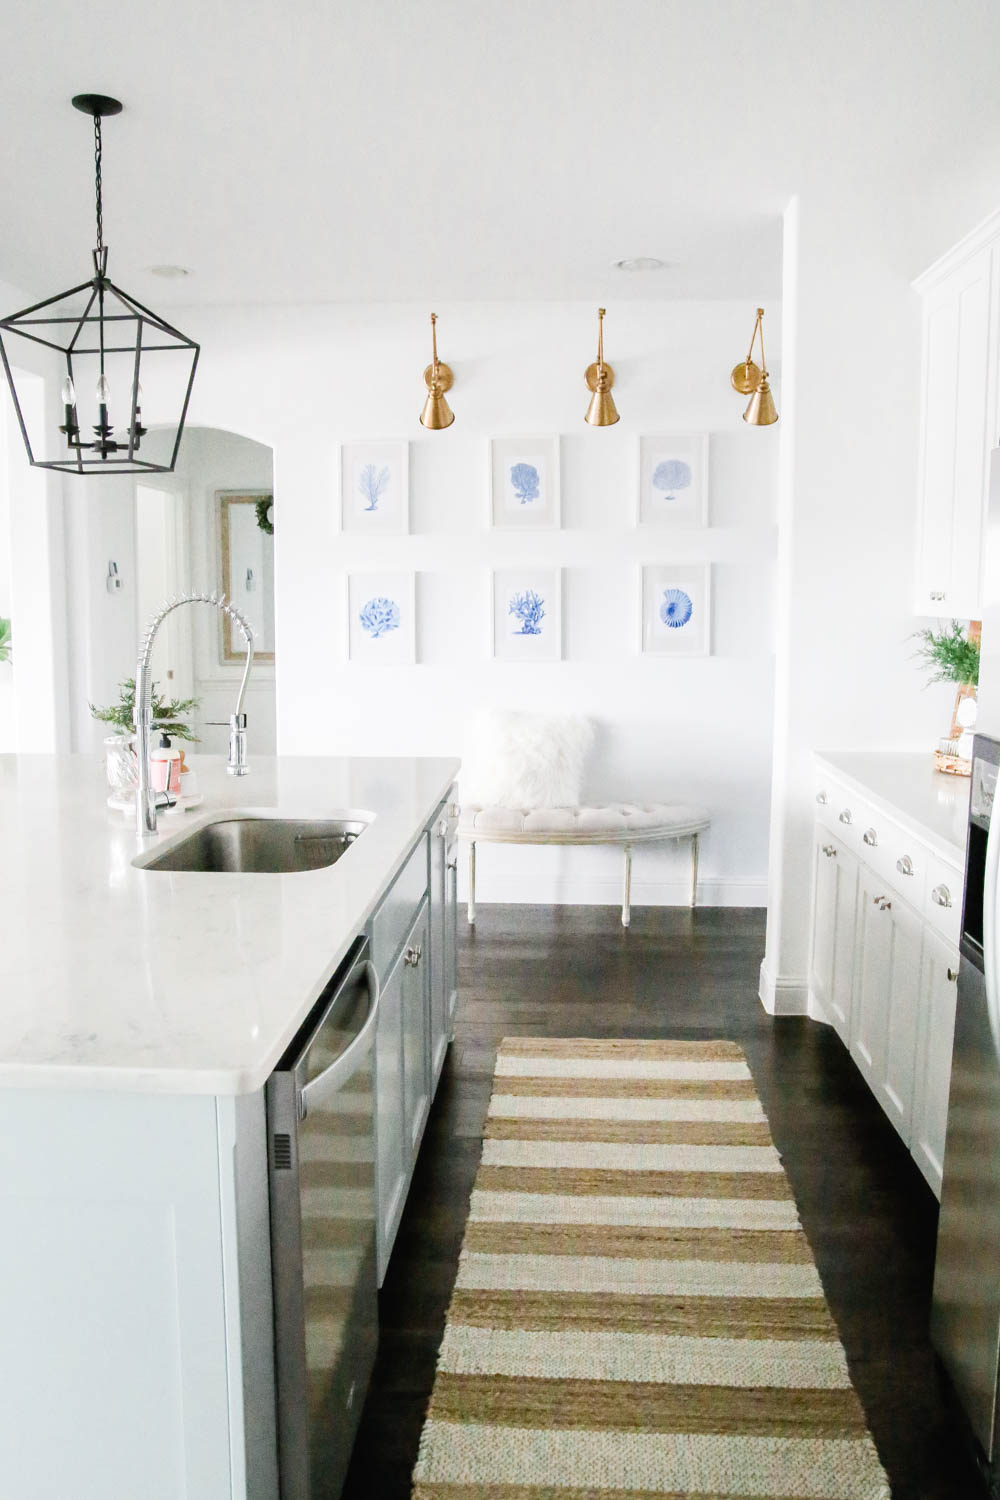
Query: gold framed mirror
x=246, y=567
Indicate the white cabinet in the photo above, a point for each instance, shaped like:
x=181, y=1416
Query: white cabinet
x=884, y=960
x=416, y=994
x=939, y=975
x=392, y=1160
x=831, y=977
x=958, y=423
x=884, y=1030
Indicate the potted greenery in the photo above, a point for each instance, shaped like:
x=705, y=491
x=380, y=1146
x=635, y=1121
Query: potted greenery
x=951, y=654
x=169, y=717
x=6, y=649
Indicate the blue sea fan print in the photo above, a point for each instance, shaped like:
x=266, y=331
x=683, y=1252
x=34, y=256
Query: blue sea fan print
x=372, y=483
x=525, y=482
x=529, y=608
x=676, y=608
x=379, y=615
x=670, y=475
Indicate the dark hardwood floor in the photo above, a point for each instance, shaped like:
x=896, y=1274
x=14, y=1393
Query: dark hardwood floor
x=870, y=1217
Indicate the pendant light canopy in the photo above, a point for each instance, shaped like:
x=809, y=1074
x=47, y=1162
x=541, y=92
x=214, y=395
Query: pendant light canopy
x=438, y=378
x=105, y=339
x=751, y=380
x=600, y=377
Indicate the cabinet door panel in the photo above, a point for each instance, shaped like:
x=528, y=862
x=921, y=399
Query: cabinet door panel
x=971, y=439
x=391, y=1173
x=869, y=1015
x=451, y=941
x=416, y=1033
x=834, y=927
x=903, y=997
x=938, y=991
x=440, y=1025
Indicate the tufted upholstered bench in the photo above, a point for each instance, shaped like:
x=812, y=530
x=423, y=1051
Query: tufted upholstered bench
x=622, y=823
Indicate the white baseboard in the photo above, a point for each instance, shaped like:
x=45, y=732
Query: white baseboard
x=583, y=891
x=781, y=996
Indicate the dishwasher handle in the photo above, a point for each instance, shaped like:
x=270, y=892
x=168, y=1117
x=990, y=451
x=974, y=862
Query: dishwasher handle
x=343, y=1068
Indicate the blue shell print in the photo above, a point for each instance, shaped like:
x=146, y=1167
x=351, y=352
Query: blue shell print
x=676, y=608
x=671, y=474
x=378, y=616
x=525, y=482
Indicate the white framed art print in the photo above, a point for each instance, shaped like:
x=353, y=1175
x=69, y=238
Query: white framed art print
x=374, y=487
x=381, y=624
x=675, y=617
x=526, y=614
x=673, y=480
x=524, y=483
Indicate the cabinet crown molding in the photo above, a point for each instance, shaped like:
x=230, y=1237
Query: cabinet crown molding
x=985, y=233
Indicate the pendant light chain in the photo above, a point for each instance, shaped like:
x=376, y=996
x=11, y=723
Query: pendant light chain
x=97, y=182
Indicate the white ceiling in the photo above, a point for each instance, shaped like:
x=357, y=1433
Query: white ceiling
x=383, y=149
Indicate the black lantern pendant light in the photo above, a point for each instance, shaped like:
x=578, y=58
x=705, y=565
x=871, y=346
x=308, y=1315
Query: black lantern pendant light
x=104, y=336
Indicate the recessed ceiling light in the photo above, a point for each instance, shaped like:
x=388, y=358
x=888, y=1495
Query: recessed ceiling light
x=641, y=263
x=171, y=273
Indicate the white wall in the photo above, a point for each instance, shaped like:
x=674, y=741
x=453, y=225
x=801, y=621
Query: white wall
x=305, y=378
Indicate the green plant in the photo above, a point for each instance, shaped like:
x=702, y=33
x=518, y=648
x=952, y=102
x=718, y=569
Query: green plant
x=168, y=713
x=948, y=653
x=262, y=507
x=5, y=640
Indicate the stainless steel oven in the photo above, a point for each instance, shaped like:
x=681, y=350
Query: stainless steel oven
x=321, y=1169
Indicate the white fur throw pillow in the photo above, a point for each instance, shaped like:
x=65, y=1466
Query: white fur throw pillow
x=525, y=760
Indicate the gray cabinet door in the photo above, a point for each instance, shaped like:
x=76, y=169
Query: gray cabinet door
x=416, y=1032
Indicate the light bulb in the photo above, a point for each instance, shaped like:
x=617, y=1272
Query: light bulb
x=103, y=390
x=68, y=392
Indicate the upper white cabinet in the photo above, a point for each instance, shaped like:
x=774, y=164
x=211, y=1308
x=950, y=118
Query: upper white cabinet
x=959, y=426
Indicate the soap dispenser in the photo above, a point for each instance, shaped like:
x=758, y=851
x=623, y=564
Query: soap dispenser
x=165, y=767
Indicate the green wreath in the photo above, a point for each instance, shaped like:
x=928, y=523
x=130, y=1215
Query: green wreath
x=263, y=520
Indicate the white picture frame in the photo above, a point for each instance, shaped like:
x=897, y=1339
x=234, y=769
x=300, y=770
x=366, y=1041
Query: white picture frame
x=374, y=487
x=672, y=480
x=675, y=609
x=532, y=633
x=381, y=617
x=524, y=484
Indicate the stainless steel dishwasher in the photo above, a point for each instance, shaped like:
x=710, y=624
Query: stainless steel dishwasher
x=321, y=1170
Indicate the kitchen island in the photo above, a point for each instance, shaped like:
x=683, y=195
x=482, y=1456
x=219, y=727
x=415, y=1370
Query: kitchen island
x=143, y=1012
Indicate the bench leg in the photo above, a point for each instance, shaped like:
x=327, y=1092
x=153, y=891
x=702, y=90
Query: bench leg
x=694, y=871
x=627, y=897
x=472, y=885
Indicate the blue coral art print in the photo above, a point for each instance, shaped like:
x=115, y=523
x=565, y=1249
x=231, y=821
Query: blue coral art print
x=379, y=616
x=525, y=482
x=529, y=608
x=676, y=608
x=373, y=483
x=671, y=475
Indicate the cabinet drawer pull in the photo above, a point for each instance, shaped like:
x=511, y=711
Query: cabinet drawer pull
x=884, y=905
x=937, y=595
x=822, y=798
x=413, y=955
x=941, y=896
x=829, y=850
x=846, y=816
x=869, y=837
x=953, y=975
x=904, y=865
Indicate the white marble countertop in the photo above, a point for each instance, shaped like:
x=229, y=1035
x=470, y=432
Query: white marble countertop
x=113, y=977
x=935, y=807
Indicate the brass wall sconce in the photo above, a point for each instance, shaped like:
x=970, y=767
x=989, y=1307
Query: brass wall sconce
x=438, y=378
x=600, y=377
x=751, y=380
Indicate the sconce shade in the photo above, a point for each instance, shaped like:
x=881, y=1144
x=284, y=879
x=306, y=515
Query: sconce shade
x=600, y=377
x=436, y=414
x=761, y=410
x=438, y=378
x=602, y=411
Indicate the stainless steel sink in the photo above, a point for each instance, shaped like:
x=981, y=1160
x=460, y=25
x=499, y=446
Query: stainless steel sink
x=259, y=846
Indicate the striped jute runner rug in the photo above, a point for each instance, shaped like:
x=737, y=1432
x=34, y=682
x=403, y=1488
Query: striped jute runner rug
x=637, y=1311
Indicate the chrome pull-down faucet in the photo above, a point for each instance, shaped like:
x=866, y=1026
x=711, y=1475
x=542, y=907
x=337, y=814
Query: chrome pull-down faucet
x=236, y=765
